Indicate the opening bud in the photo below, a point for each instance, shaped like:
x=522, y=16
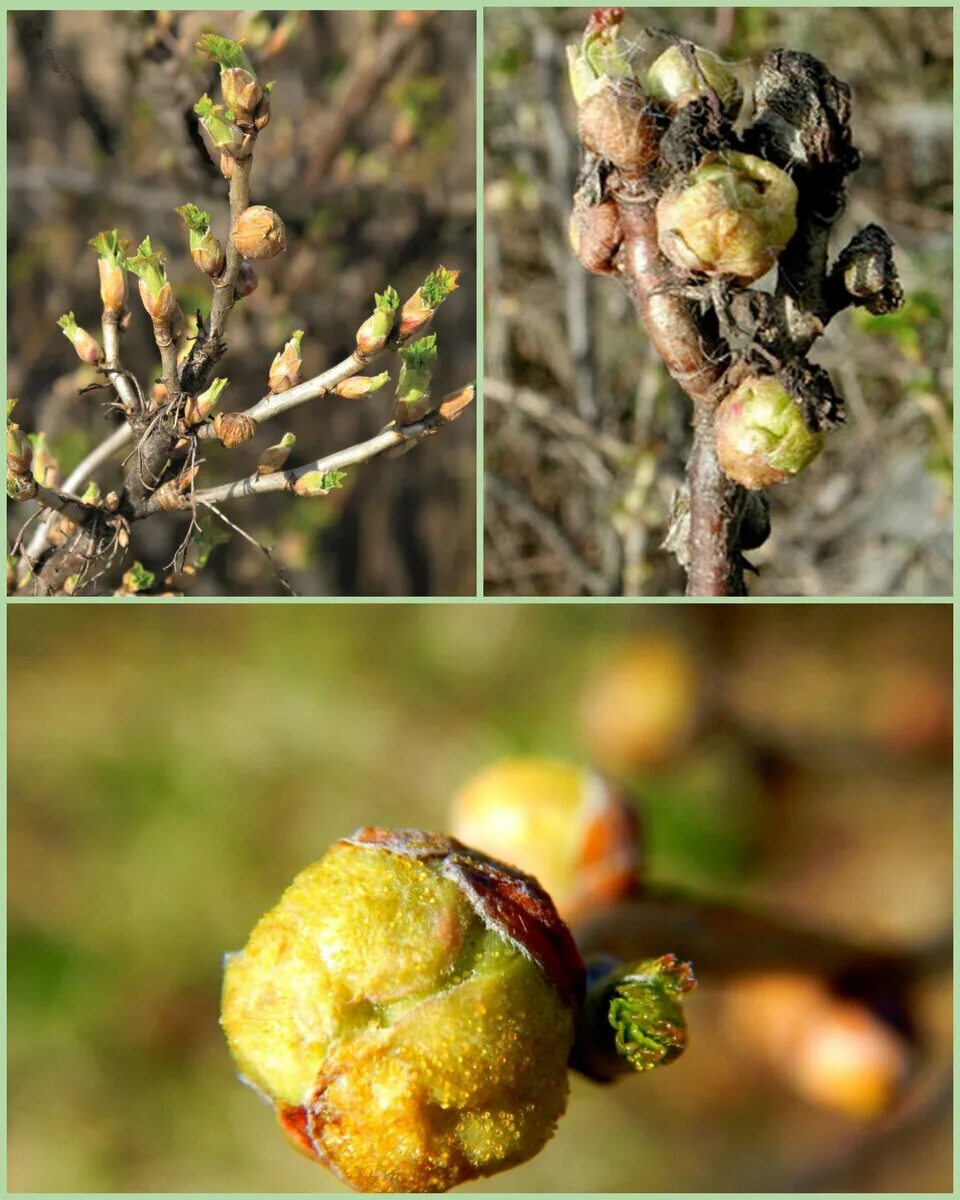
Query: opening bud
x=147, y=265
x=373, y=333
x=319, y=483
x=418, y=360
x=205, y=250
x=234, y=429
x=274, y=457
x=762, y=438
x=731, y=215
x=441, y=988
x=198, y=408
x=219, y=124
x=242, y=93
x=685, y=72
x=599, y=58
x=417, y=312
x=285, y=368
x=137, y=579
x=86, y=346
x=358, y=386
x=113, y=280
x=259, y=233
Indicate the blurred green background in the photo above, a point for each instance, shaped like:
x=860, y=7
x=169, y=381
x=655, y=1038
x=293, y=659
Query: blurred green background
x=369, y=158
x=170, y=772
x=872, y=516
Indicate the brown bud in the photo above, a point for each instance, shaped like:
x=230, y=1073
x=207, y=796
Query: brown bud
x=262, y=116
x=618, y=124
x=159, y=394
x=226, y=166
x=246, y=281
x=595, y=234
x=168, y=497
x=259, y=233
x=234, y=429
x=450, y=407
x=242, y=93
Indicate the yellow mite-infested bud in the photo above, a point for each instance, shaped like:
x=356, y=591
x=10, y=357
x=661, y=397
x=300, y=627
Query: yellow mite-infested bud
x=285, y=368
x=761, y=435
x=259, y=233
x=234, y=429
x=732, y=215
x=641, y=705
x=674, y=80
x=408, y=1007
x=561, y=823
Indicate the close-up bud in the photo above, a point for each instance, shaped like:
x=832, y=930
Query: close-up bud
x=685, y=72
x=205, y=250
x=762, y=438
x=419, y=359
x=198, y=408
x=373, y=333
x=246, y=281
x=564, y=824
x=226, y=136
x=359, y=386
x=285, y=368
x=168, y=320
x=234, y=429
x=242, y=92
x=595, y=234
x=418, y=311
x=318, y=483
x=85, y=345
x=408, y=1007
x=113, y=280
x=259, y=233
x=148, y=265
x=731, y=215
x=617, y=123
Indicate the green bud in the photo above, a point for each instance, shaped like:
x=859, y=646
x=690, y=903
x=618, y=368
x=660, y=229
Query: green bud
x=418, y=311
x=274, y=457
x=137, y=579
x=147, y=265
x=762, y=438
x=91, y=494
x=731, y=215
x=19, y=450
x=319, y=483
x=373, y=333
x=219, y=124
x=418, y=359
x=205, y=250
x=110, y=259
x=85, y=345
x=225, y=52
x=358, y=386
x=408, y=1007
x=198, y=408
x=674, y=81
x=599, y=58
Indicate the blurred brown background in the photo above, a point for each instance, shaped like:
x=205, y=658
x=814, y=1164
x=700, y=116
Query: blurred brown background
x=369, y=159
x=583, y=463
x=171, y=770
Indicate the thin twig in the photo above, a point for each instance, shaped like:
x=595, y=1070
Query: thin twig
x=277, y=567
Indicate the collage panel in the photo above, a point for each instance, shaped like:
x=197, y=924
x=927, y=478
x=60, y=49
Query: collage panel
x=747, y=799
x=281, y=211
x=771, y=190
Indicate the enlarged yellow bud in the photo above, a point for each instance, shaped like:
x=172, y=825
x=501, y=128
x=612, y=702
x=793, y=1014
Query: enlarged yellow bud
x=285, y=368
x=732, y=215
x=762, y=438
x=641, y=706
x=673, y=80
x=408, y=1007
x=563, y=824
x=617, y=123
x=234, y=429
x=259, y=233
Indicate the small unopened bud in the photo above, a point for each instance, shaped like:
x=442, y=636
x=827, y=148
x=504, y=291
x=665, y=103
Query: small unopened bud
x=319, y=483
x=168, y=320
x=417, y=312
x=46, y=468
x=261, y=118
x=274, y=457
x=198, y=408
x=358, y=386
x=217, y=121
x=762, y=438
x=246, y=281
x=19, y=450
x=450, y=407
x=373, y=333
x=259, y=233
x=113, y=279
x=86, y=346
x=205, y=250
x=111, y=502
x=684, y=73
x=441, y=988
x=419, y=359
x=234, y=429
x=285, y=368
x=242, y=92
x=159, y=394
x=732, y=215
x=595, y=234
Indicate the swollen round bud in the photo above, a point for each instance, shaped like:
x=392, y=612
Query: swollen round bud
x=617, y=123
x=564, y=824
x=686, y=72
x=259, y=233
x=641, y=706
x=762, y=438
x=731, y=215
x=234, y=429
x=595, y=234
x=408, y=1007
